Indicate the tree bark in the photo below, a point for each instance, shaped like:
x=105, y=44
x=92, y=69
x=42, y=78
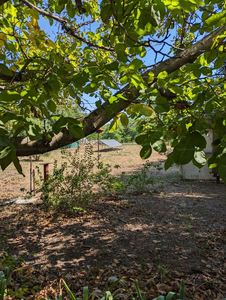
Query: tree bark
x=98, y=117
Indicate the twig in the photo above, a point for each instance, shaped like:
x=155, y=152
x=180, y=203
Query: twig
x=63, y=22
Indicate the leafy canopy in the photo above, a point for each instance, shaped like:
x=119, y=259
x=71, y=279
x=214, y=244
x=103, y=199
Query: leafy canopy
x=158, y=62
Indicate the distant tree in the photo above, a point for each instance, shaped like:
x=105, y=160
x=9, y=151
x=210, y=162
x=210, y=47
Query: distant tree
x=122, y=134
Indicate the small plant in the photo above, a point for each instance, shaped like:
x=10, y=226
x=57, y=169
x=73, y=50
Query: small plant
x=108, y=183
x=140, y=181
x=7, y=267
x=5, y=277
x=114, y=292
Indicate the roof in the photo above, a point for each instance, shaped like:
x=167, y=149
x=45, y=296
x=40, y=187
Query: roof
x=111, y=143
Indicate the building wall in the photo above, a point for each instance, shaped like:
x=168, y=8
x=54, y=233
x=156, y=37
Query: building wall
x=189, y=171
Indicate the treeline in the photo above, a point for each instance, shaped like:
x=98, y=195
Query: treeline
x=122, y=134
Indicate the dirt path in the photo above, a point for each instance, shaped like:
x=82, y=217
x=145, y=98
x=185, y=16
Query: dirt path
x=159, y=238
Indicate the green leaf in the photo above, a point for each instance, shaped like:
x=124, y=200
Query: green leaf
x=145, y=110
x=7, y=155
x=160, y=7
x=159, y=298
x=48, y=87
x=162, y=75
x=124, y=80
x=57, y=127
x=209, y=107
x=70, y=9
x=169, y=162
x=114, y=125
x=75, y=130
x=145, y=152
x=215, y=18
x=159, y=146
x=17, y=165
x=120, y=51
x=9, y=96
x=124, y=119
x=159, y=104
x=105, y=12
x=143, y=139
x=113, y=99
x=198, y=140
x=80, y=80
x=98, y=103
x=145, y=15
x=5, y=70
x=108, y=296
x=151, y=77
x=170, y=296
x=195, y=27
x=206, y=71
x=4, y=140
x=68, y=290
x=51, y=106
x=184, y=151
x=32, y=131
x=182, y=290
x=85, y=293
x=187, y=6
x=135, y=64
x=112, y=66
x=219, y=62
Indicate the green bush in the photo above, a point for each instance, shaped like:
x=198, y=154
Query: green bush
x=80, y=177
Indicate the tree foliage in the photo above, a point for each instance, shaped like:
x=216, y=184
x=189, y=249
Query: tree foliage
x=153, y=61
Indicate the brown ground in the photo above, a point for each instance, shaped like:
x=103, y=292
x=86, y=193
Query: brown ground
x=159, y=237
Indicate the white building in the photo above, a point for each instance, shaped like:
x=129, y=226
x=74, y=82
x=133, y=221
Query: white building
x=189, y=171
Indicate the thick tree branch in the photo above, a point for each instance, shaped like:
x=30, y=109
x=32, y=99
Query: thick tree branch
x=98, y=117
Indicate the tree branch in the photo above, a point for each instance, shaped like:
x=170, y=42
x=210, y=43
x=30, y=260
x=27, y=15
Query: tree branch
x=98, y=117
x=63, y=22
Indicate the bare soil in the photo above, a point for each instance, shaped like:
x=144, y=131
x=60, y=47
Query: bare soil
x=175, y=232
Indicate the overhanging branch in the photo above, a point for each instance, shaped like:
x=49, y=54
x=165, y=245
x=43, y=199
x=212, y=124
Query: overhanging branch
x=98, y=117
x=69, y=30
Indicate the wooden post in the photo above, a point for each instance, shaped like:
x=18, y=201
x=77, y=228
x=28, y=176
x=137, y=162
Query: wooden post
x=34, y=181
x=46, y=172
x=46, y=177
x=31, y=175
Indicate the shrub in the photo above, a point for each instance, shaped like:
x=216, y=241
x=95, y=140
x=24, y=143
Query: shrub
x=78, y=179
x=81, y=178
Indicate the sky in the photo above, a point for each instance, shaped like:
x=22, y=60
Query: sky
x=52, y=31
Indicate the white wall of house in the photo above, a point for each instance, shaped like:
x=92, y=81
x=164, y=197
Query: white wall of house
x=189, y=171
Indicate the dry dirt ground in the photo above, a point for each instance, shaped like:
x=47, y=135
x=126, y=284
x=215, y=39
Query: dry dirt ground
x=160, y=237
